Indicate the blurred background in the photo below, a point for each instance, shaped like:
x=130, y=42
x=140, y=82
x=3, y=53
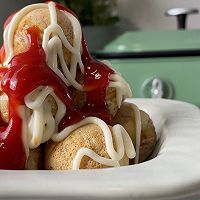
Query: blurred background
x=155, y=48
x=140, y=15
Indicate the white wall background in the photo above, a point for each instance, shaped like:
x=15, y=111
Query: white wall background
x=149, y=14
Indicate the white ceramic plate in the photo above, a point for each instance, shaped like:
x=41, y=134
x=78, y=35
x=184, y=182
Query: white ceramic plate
x=173, y=174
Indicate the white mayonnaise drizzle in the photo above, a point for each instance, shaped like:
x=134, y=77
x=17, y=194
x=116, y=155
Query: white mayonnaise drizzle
x=121, y=137
x=138, y=126
x=38, y=120
x=53, y=47
x=116, y=81
x=122, y=87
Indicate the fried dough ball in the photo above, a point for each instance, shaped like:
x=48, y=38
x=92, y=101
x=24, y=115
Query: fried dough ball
x=59, y=156
x=41, y=18
x=126, y=117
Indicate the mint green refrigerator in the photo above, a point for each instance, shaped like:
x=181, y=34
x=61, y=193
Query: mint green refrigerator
x=158, y=64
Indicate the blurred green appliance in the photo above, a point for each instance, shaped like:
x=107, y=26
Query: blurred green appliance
x=158, y=64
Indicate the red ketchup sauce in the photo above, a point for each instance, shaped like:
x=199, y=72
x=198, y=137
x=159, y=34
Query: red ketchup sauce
x=28, y=71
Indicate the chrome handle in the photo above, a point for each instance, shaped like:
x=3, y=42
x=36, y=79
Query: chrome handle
x=181, y=15
x=155, y=87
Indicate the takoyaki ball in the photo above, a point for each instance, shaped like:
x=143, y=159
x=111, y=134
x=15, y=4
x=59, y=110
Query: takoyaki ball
x=60, y=155
x=126, y=117
x=40, y=18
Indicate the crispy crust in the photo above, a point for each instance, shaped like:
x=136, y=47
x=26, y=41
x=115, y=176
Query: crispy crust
x=125, y=116
x=59, y=156
x=41, y=18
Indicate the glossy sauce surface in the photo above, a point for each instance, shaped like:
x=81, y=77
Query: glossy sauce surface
x=28, y=71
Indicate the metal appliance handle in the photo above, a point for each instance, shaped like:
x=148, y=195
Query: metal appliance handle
x=181, y=15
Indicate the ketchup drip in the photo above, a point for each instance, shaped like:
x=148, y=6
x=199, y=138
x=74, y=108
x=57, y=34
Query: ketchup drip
x=28, y=71
x=96, y=80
